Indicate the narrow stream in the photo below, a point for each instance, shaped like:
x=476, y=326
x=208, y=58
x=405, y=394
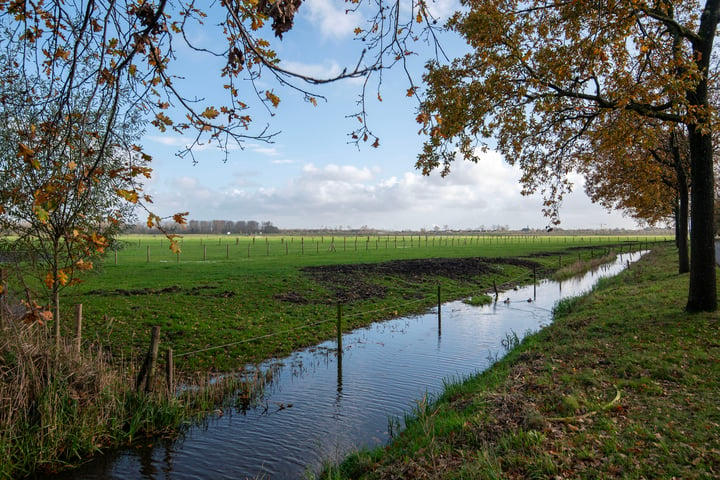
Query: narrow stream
x=319, y=410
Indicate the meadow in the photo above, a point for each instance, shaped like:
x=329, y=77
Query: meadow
x=226, y=301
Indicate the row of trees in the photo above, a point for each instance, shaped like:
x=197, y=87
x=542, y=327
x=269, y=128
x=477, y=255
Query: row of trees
x=248, y=227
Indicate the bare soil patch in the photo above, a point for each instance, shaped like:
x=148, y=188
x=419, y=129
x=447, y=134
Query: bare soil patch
x=358, y=281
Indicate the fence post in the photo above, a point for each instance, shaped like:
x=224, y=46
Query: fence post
x=339, y=330
x=3, y=294
x=78, y=326
x=439, y=307
x=534, y=282
x=144, y=380
x=116, y=257
x=204, y=252
x=170, y=371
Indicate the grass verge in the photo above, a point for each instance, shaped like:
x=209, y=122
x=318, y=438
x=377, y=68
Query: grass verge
x=623, y=384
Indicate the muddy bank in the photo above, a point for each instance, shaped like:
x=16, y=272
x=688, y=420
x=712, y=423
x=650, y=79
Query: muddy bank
x=357, y=282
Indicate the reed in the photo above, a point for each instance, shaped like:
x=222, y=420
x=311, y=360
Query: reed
x=58, y=406
x=582, y=265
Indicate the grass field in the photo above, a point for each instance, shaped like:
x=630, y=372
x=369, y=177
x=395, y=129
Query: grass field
x=226, y=300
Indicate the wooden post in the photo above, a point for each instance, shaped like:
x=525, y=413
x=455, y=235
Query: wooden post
x=78, y=326
x=204, y=252
x=339, y=330
x=3, y=295
x=170, y=371
x=147, y=371
x=115, y=257
x=534, y=282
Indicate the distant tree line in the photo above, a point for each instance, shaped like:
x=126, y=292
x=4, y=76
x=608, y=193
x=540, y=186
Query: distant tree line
x=248, y=227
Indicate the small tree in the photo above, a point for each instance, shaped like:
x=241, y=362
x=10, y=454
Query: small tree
x=63, y=196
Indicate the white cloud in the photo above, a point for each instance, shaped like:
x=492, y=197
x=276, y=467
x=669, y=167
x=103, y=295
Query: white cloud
x=486, y=193
x=332, y=19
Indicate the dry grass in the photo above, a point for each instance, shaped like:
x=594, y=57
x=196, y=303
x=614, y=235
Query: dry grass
x=58, y=406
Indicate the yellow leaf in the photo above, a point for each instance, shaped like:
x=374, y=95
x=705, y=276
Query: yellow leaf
x=129, y=195
x=274, y=99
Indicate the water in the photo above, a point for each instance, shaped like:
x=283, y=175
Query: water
x=319, y=410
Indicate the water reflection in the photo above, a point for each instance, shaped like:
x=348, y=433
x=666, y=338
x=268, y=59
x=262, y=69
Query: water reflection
x=321, y=406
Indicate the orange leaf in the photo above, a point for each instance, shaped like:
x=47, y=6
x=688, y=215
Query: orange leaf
x=210, y=113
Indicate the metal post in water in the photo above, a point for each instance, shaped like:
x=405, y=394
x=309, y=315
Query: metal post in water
x=339, y=330
x=439, y=308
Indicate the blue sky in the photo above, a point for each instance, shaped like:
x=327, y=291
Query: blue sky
x=311, y=177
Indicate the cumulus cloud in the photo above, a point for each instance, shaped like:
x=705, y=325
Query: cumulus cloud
x=473, y=195
x=332, y=20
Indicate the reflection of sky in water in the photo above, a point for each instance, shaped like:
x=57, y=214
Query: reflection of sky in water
x=336, y=409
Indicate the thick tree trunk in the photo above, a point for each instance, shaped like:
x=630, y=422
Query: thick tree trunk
x=702, y=295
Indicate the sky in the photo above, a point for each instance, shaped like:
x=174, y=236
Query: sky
x=312, y=177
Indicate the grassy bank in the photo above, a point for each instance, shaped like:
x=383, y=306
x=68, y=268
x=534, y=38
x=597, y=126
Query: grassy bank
x=622, y=385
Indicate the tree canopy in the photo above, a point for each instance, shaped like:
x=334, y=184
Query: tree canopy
x=545, y=78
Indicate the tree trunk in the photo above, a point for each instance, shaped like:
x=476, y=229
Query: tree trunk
x=682, y=232
x=702, y=295
x=681, y=208
x=56, y=291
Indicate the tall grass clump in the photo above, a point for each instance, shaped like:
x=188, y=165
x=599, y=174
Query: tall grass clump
x=58, y=406
x=581, y=266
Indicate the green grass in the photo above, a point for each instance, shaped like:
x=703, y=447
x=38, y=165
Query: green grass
x=623, y=384
x=215, y=294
